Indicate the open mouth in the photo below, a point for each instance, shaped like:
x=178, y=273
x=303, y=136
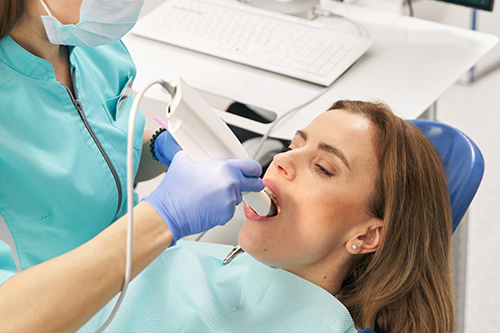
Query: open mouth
x=272, y=191
x=275, y=209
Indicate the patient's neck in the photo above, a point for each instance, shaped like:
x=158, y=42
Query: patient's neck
x=328, y=274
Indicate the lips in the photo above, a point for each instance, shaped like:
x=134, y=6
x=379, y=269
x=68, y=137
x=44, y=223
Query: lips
x=272, y=191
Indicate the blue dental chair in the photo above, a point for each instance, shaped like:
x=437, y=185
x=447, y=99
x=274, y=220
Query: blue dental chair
x=463, y=160
x=464, y=165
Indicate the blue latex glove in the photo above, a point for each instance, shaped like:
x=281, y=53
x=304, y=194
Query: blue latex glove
x=165, y=148
x=195, y=197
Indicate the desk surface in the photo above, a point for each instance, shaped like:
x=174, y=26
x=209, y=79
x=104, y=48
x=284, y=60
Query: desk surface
x=411, y=64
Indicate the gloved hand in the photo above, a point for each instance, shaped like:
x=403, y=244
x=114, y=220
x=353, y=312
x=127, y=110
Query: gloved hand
x=195, y=197
x=166, y=147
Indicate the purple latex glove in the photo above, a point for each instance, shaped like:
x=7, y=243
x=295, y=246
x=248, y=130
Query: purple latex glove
x=195, y=197
x=165, y=148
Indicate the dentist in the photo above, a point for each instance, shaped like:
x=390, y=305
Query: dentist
x=65, y=99
x=65, y=80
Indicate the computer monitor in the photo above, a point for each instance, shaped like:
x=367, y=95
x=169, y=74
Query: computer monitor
x=478, y=4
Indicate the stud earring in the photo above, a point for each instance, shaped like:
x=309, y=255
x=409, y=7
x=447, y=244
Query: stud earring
x=354, y=247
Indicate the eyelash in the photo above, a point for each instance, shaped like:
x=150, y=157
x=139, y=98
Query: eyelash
x=321, y=170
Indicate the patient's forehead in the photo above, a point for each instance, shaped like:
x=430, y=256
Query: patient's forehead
x=342, y=122
x=349, y=132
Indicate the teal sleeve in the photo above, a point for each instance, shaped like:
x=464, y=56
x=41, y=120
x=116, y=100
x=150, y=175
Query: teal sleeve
x=7, y=263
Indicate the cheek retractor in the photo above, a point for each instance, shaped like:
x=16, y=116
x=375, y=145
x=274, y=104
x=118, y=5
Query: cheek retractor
x=204, y=136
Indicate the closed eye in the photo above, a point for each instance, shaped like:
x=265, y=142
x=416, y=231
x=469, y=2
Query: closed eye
x=320, y=169
x=324, y=171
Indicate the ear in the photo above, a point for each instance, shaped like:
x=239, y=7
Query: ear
x=367, y=238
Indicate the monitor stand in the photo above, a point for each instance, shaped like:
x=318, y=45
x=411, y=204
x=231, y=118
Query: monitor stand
x=301, y=8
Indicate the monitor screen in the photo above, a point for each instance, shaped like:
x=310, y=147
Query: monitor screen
x=479, y=4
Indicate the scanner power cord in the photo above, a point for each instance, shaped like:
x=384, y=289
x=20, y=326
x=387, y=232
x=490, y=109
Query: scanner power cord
x=318, y=11
x=281, y=118
x=410, y=8
x=130, y=194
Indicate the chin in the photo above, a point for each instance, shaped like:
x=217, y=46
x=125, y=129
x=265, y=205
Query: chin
x=244, y=239
x=254, y=244
x=250, y=239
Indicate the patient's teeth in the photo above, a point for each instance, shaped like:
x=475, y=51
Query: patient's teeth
x=274, y=209
x=271, y=195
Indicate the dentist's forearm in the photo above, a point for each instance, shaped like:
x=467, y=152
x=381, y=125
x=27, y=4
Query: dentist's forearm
x=62, y=294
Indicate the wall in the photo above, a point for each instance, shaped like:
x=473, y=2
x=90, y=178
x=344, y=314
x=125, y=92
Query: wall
x=462, y=17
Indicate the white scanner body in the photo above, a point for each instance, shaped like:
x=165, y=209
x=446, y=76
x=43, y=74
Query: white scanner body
x=204, y=136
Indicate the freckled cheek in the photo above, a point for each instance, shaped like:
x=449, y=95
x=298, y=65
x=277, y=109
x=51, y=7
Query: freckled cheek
x=306, y=214
x=310, y=200
x=325, y=207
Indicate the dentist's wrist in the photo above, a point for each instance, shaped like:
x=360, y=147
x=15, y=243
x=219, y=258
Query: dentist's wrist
x=152, y=142
x=166, y=236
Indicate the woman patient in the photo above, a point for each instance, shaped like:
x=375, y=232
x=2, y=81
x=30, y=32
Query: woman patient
x=362, y=240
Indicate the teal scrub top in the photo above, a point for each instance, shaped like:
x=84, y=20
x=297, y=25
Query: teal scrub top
x=63, y=153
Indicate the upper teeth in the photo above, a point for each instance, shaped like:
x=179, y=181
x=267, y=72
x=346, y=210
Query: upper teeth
x=271, y=195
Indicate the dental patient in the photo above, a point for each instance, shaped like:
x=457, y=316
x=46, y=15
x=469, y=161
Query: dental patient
x=362, y=239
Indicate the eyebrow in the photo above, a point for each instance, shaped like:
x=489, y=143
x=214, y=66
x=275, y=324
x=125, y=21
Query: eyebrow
x=326, y=147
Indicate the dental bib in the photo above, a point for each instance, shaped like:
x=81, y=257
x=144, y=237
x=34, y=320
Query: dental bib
x=187, y=289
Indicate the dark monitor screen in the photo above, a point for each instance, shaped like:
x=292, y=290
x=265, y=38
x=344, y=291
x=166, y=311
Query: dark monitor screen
x=479, y=4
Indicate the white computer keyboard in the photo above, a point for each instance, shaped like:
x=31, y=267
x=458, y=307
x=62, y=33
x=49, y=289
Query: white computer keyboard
x=275, y=42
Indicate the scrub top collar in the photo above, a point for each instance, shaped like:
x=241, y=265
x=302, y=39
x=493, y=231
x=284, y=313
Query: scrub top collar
x=26, y=63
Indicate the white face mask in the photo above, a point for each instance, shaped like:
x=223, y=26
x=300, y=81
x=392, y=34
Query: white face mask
x=101, y=22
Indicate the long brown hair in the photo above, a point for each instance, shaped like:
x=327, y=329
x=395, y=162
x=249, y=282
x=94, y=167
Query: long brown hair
x=406, y=285
x=11, y=12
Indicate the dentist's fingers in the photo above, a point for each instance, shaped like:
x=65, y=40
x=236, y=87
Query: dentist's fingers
x=195, y=197
x=165, y=148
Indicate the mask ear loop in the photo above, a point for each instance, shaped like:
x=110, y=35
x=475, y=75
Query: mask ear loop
x=46, y=8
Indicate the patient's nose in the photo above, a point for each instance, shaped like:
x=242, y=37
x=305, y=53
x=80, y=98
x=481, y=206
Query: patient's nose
x=284, y=163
